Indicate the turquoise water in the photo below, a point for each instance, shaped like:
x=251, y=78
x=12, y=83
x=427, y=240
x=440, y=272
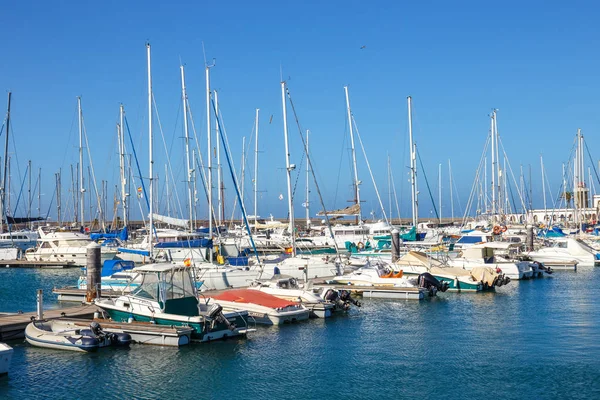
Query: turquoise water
x=533, y=339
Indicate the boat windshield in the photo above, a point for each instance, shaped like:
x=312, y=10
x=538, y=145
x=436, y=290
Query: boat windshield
x=148, y=288
x=586, y=246
x=178, y=284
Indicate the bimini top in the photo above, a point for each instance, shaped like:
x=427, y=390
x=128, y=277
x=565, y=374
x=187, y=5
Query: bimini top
x=159, y=267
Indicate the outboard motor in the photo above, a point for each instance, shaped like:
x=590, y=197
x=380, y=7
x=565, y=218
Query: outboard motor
x=347, y=298
x=106, y=338
x=215, y=312
x=543, y=268
x=430, y=283
x=341, y=299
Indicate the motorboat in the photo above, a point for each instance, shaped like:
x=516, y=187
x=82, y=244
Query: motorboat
x=562, y=250
x=459, y=279
x=6, y=353
x=288, y=288
x=166, y=295
x=14, y=244
x=265, y=308
x=65, y=246
x=484, y=255
x=64, y=335
x=381, y=275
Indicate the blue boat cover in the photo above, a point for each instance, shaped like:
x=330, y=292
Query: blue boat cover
x=134, y=251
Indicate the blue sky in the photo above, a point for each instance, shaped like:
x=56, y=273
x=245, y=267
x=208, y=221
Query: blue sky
x=534, y=61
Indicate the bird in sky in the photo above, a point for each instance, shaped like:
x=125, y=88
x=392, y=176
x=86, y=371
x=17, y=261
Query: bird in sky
x=363, y=47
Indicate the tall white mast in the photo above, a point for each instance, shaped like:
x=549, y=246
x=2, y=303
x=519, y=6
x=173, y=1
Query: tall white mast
x=121, y=132
x=209, y=159
x=440, y=190
x=4, y=203
x=243, y=170
x=307, y=204
x=543, y=185
x=413, y=167
x=256, y=171
x=81, y=188
x=289, y=169
x=493, y=138
x=187, y=146
x=497, y=158
x=219, y=170
x=451, y=194
x=356, y=181
x=151, y=156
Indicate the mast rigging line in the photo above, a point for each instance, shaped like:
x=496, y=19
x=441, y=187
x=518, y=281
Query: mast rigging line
x=437, y=216
x=162, y=134
x=222, y=135
x=312, y=170
x=370, y=171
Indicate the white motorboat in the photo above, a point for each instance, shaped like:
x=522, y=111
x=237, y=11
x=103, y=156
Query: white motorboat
x=66, y=335
x=565, y=250
x=65, y=246
x=483, y=255
x=6, y=353
x=288, y=289
x=264, y=308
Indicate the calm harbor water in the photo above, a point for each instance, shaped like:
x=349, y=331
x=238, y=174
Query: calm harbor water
x=536, y=339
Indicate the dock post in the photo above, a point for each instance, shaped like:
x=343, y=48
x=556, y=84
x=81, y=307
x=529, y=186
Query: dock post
x=94, y=269
x=530, y=237
x=395, y=245
x=40, y=304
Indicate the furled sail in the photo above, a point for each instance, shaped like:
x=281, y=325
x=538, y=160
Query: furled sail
x=184, y=223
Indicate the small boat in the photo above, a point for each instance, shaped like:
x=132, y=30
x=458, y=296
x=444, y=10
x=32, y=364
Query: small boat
x=287, y=288
x=65, y=335
x=6, y=353
x=116, y=275
x=265, y=308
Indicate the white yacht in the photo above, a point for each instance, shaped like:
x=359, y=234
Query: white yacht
x=65, y=246
x=484, y=255
x=564, y=249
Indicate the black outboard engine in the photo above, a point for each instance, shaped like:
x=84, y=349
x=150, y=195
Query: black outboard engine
x=106, y=338
x=341, y=299
x=543, y=268
x=346, y=297
x=430, y=283
x=215, y=312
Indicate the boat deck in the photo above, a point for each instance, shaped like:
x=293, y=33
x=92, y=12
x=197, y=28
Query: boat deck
x=76, y=295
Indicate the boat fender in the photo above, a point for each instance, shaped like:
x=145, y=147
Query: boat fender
x=120, y=339
x=497, y=229
x=360, y=245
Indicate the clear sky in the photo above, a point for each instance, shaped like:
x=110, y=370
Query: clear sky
x=535, y=61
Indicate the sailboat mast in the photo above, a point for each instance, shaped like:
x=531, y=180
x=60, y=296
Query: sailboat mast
x=543, y=185
x=3, y=208
x=122, y=164
x=440, y=190
x=413, y=167
x=187, y=145
x=150, y=155
x=256, y=171
x=493, y=163
x=221, y=213
x=498, y=175
x=243, y=170
x=209, y=159
x=29, y=193
x=289, y=169
x=356, y=181
x=58, y=197
x=307, y=204
x=451, y=194
x=39, y=189
x=81, y=188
